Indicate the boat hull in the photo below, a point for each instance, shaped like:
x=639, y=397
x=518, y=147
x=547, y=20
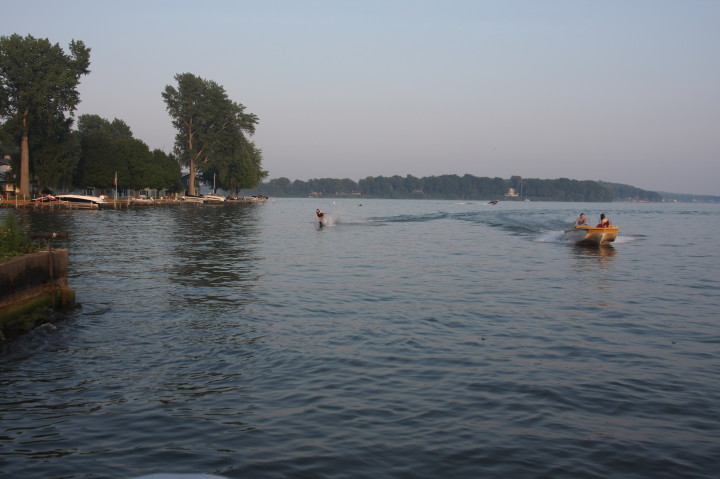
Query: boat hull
x=591, y=235
x=213, y=199
x=81, y=201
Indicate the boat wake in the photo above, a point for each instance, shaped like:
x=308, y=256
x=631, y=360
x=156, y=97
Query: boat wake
x=535, y=228
x=553, y=237
x=356, y=220
x=626, y=239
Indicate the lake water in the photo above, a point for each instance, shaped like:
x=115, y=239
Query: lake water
x=407, y=339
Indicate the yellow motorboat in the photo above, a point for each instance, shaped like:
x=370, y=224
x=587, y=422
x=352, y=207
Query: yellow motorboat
x=586, y=234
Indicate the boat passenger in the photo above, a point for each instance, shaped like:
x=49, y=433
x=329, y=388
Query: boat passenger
x=604, y=222
x=582, y=220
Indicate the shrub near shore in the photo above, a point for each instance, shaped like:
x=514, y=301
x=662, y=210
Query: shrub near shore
x=13, y=240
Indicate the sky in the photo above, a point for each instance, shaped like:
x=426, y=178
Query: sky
x=626, y=91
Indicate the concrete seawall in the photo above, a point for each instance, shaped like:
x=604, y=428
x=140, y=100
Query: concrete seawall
x=31, y=288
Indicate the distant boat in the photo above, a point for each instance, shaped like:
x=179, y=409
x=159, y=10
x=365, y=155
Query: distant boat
x=81, y=201
x=494, y=202
x=586, y=234
x=44, y=199
x=245, y=199
x=142, y=201
x=192, y=198
x=213, y=199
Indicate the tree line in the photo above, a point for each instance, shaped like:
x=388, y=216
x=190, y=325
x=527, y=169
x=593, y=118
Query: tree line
x=454, y=187
x=38, y=98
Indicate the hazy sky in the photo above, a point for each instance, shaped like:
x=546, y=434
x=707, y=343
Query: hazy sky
x=626, y=91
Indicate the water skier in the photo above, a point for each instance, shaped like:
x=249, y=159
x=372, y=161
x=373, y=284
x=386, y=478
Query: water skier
x=319, y=214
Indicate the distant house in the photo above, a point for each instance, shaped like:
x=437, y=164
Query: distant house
x=511, y=192
x=6, y=188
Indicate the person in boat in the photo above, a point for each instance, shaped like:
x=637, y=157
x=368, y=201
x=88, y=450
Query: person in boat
x=582, y=220
x=319, y=215
x=604, y=222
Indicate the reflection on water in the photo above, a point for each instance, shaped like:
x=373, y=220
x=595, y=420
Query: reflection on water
x=218, y=246
x=215, y=254
x=595, y=270
x=205, y=255
x=603, y=254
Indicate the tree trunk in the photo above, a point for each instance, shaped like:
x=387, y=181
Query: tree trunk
x=24, y=167
x=191, y=178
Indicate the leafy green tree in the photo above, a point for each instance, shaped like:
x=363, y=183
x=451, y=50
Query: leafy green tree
x=164, y=172
x=212, y=129
x=247, y=171
x=56, y=152
x=455, y=187
x=632, y=193
x=377, y=187
x=500, y=186
x=38, y=83
x=95, y=124
x=236, y=170
x=138, y=158
x=99, y=162
x=101, y=154
x=413, y=185
x=278, y=187
x=108, y=148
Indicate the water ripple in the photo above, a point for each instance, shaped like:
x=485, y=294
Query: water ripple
x=455, y=340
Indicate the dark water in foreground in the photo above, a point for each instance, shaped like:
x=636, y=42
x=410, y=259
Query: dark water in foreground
x=409, y=339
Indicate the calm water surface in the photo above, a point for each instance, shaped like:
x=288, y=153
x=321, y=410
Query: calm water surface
x=408, y=339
